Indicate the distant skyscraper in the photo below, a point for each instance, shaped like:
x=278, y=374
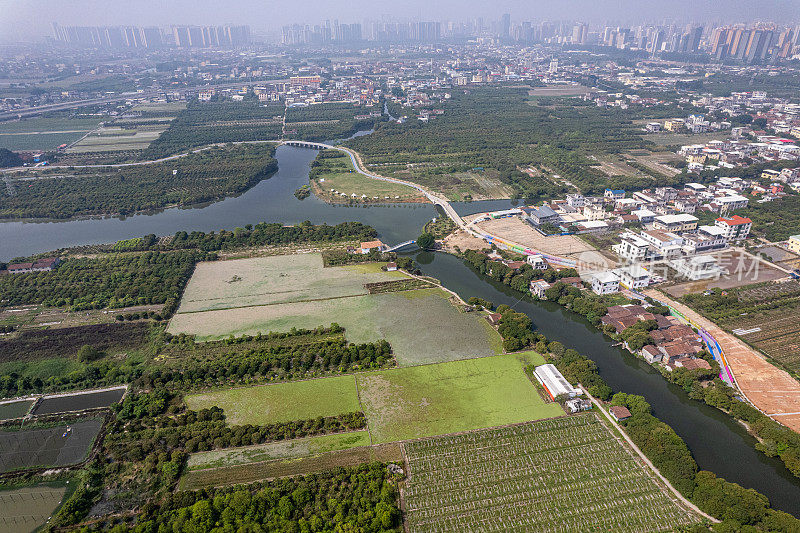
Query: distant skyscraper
x=505, y=25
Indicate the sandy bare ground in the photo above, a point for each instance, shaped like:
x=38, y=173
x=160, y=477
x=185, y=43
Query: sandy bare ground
x=464, y=241
x=516, y=230
x=769, y=388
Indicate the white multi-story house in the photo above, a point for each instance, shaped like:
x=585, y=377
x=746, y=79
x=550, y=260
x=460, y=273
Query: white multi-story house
x=632, y=249
x=666, y=244
x=576, y=200
x=698, y=267
x=707, y=238
x=729, y=203
x=633, y=276
x=539, y=287
x=605, y=282
x=735, y=228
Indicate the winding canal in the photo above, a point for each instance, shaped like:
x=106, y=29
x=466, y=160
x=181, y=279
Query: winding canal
x=717, y=442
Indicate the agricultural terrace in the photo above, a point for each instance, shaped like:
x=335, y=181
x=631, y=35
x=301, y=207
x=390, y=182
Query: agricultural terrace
x=408, y=403
x=28, y=508
x=559, y=475
x=279, y=293
x=282, y=402
x=51, y=446
x=334, y=178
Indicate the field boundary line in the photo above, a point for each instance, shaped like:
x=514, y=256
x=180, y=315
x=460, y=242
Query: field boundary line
x=361, y=406
x=647, y=461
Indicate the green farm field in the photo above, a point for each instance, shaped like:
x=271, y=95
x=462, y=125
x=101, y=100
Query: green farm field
x=421, y=325
x=402, y=403
x=26, y=509
x=421, y=401
x=114, y=138
x=37, y=141
x=51, y=124
x=282, y=402
x=248, y=296
x=277, y=450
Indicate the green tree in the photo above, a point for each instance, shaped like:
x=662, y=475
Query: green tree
x=425, y=241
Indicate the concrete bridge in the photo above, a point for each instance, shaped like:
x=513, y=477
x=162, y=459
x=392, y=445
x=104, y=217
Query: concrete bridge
x=401, y=245
x=311, y=145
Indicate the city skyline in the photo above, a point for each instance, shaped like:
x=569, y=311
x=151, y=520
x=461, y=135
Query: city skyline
x=23, y=21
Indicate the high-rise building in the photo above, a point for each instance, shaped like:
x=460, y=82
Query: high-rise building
x=505, y=25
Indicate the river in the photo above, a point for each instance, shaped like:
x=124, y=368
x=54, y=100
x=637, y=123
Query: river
x=716, y=441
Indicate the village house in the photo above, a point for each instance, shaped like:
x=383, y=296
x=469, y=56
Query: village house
x=619, y=413
x=539, y=287
x=537, y=262
x=367, y=246
x=40, y=265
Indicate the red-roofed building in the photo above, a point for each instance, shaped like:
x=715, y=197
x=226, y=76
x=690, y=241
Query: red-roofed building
x=736, y=228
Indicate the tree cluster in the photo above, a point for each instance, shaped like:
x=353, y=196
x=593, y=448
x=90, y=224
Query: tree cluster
x=196, y=178
x=360, y=498
x=110, y=280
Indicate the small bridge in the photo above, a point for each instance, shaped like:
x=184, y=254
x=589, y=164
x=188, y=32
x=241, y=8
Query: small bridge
x=306, y=144
x=401, y=245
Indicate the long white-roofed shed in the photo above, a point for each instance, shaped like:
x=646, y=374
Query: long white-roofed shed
x=553, y=382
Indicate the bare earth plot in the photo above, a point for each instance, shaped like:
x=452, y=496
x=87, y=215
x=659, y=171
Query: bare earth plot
x=742, y=268
x=277, y=450
x=278, y=293
x=520, y=232
x=771, y=389
x=28, y=508
x=564, y=474
x=265, y=470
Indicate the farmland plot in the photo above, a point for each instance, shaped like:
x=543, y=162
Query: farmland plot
x=53, y=446
x=273, y=280
x=282, y=402
x=278, y=293
x=564, y=474
x=28, y=508
x=420, y=401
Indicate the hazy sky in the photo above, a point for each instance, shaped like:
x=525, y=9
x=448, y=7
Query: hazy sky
x=26, y=19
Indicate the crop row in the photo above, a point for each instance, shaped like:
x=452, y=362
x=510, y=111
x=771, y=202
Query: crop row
x=563, y=474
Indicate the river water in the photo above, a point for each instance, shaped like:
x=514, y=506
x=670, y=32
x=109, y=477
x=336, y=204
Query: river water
x=717, y=442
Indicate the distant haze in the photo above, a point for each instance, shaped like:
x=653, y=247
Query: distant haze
x=30, y=19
